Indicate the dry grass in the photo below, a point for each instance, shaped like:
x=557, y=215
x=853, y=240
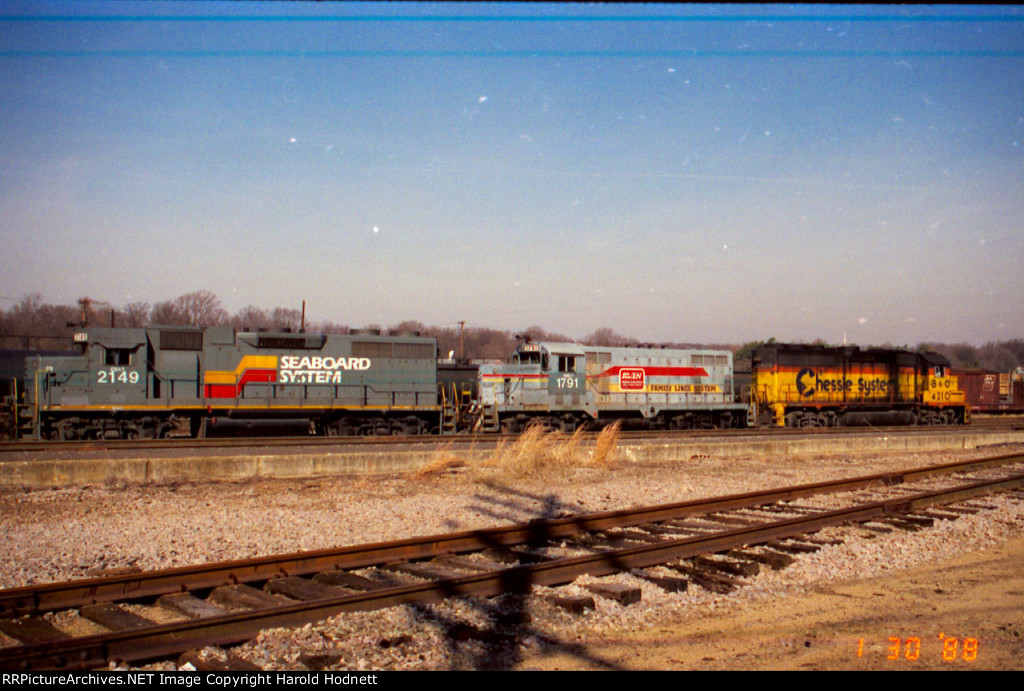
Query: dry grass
x=528, y=455
x=606, y=446
x=443, y=459
x=537, y=452
x=567, y=450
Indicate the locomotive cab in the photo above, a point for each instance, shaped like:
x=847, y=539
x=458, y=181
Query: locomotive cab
x=543, y=381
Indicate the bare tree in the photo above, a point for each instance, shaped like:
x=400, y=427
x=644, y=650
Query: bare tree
x=202, y=308
x=607, y=337
x=168, y=313
x=135, y=315
x=285, y=318
x=199, y=308
x=31, y=323
x=329, y=327
x=251, y=317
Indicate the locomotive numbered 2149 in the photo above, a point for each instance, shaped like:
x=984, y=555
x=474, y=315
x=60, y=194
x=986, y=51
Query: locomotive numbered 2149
x=145, y=383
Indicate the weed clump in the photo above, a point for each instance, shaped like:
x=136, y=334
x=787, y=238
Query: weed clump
x=606, y=446
x=539, y=452
x=442, y=460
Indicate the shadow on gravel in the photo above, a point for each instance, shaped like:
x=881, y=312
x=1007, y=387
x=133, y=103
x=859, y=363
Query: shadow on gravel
x=507, y=626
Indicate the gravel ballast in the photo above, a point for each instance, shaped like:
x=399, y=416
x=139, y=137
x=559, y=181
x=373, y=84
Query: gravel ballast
x=60, y=534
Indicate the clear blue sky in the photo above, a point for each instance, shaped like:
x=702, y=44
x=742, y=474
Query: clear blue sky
x=675, y=172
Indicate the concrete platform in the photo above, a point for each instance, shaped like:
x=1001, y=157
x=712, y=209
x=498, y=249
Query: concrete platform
x=42, y=469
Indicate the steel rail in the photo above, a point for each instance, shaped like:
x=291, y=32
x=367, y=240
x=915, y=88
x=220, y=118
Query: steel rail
x=21, y=446
x=169, y=639
x=46, y=597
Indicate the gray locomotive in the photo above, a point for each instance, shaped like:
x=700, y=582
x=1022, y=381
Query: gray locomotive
x=156, y=382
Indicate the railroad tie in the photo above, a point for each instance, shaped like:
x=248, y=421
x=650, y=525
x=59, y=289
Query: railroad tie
x=425, y=571
x=245, y=597
x=874, y=527
x=634, y=535
x=899, y=522
x=618, y=592
x=348, y=580
x=732, y=568
x=230, y=663
x=302, y=589
x=660, y=529
x=734, y=520
x=114, y=618
x=687, y=528
x=576, y=604
x=937, y=515
x=189, y=605
x=776, y=561
x=596, y=541
x=713, y=582
x=791, y=508
x=917, y=519
x=962, y=510
x=794, y=547
x=824, y=542
x=670, y=584
x=32, y=630
x=466, y=563
x=507, y=555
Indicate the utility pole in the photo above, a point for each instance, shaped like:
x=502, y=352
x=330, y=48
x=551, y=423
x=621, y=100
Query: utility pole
x=462, y=352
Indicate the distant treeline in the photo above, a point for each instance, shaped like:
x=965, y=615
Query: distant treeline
x=32, y=324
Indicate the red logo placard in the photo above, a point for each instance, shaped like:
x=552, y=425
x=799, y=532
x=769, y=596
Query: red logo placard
x=632, y=379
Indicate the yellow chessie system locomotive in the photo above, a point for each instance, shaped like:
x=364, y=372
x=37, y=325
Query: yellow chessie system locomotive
x=820, y=386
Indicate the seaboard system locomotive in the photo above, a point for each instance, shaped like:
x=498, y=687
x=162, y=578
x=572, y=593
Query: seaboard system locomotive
x=155, y=382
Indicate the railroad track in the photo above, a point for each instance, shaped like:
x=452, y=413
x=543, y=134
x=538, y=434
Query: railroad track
x=229, y=602
x=15, y=448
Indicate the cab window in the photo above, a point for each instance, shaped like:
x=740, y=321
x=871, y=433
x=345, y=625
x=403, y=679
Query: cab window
x=118, y=356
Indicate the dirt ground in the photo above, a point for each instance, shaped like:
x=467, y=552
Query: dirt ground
x=970, y=606
x=965, y=613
